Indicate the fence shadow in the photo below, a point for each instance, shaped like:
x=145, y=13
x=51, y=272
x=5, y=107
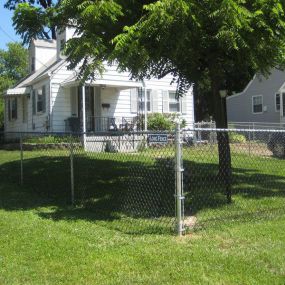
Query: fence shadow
x=132, y=196
x=105, y=190
x=204, y=190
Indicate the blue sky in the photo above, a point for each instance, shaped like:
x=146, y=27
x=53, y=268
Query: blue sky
x=6, y=25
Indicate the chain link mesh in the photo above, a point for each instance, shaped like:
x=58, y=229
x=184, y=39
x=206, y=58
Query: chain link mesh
x=127, y=180
x=238, y=176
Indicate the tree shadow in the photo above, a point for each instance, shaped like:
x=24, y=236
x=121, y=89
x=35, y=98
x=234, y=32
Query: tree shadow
x=126, y=193
x=204, y=190
x=131, y=195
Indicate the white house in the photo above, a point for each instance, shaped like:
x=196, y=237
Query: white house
x=51, y=98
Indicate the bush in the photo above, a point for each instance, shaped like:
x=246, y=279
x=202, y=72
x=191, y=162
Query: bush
x=161, y=122
x=237, y=138
x=49, y=139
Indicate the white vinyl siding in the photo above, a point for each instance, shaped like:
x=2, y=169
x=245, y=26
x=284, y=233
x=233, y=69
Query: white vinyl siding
x=257, y=104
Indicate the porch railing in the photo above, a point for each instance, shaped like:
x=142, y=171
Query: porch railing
x=97, y=124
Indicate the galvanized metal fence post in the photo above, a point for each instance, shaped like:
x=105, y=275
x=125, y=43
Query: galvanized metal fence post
x=179, y=180
x=249, y=140
x=21, y=159
x=71, y=170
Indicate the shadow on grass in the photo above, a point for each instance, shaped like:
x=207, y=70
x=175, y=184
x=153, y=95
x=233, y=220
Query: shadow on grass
x=131, y=195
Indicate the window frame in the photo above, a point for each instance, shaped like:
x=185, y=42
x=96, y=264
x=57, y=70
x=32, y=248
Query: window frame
x=24, y=110
x=13, y=114
x=33, y=64
x=148, y=101
x=62, y=45
x=277, y=110
x=252, y=104
x=171, y=101
x=40, y=92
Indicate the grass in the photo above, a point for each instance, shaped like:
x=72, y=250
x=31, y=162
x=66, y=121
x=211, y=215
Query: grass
x=46, y=241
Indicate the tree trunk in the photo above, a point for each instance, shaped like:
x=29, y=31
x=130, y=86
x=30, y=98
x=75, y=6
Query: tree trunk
x=220, y=114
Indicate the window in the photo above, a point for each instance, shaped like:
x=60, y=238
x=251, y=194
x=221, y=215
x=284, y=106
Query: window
x=174, y=105
x=25, y=109
x=39, y=100
x=257, y=104
x=141, y=96
x=277, y=102
x=33, y=64
x=62, y=44
x=12, y=109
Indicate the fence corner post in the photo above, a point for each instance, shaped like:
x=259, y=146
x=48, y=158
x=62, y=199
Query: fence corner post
x=179, y=179
x=21, y=158
x=71, y=170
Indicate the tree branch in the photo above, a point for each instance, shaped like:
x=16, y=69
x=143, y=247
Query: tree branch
x=166, y=72
x=46, y=35
x=43, y=3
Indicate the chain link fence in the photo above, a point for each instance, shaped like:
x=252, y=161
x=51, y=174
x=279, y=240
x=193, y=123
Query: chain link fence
x=149, y=182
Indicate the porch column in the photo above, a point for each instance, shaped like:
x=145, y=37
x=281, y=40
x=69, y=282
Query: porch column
x=83, y=116
x=145, y=108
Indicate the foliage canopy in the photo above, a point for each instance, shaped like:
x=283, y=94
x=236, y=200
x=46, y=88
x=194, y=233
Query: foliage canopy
x=13, y=67
x=34, y=18
x=225, y=42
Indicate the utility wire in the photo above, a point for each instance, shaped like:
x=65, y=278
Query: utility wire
x=10, y=37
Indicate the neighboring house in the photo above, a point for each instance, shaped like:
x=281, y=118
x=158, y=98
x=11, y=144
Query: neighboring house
x=52, y=99
x=263, y=100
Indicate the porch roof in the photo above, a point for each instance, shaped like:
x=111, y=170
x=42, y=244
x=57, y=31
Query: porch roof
x=17, y=91
x=73, y=81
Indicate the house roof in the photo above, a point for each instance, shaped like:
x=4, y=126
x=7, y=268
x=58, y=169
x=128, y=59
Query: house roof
x=73, y=80
x=21, y=86
x=18, y=91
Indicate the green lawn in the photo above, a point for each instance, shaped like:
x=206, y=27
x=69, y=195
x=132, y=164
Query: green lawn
x=113, y=236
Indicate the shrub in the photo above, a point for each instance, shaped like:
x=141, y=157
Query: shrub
x=237, y=138
x=49, y=139
x=160, y=121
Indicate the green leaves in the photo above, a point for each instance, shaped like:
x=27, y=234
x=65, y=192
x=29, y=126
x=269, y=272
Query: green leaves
x=224, y=42
x=34, y=19
x=13, y=67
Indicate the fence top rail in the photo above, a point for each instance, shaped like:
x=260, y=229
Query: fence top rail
x=99, y=133
x=234, y=130
x=113, y=133
x=256, y=123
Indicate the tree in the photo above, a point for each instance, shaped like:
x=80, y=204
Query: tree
x=13, y=67
x=222, y=42
x=34, y=18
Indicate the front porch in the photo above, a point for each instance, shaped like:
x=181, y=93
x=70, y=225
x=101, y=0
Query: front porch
x=101, y=108
x=103, y=124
